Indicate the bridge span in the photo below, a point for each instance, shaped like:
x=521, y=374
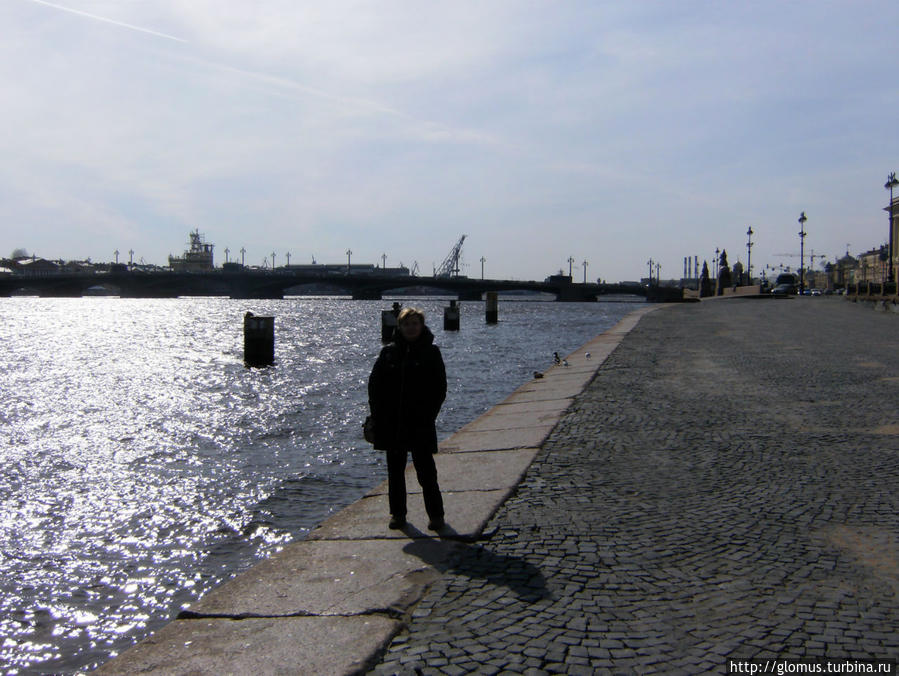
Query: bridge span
x=277, y=284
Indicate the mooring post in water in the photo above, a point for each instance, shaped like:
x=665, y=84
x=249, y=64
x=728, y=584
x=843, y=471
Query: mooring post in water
x=492, y=307
x=388, y=322
x=451, y=317
x=258, y=340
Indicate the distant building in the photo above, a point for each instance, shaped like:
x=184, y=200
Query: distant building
x=871, y=266
x=841, y=272
x=36, y=266
x=198, y=258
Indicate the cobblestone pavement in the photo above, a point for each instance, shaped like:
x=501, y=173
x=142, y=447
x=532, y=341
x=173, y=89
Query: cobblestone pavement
x=726, y=487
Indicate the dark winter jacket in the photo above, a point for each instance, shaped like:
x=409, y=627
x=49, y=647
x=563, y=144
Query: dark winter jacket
x=406, y=389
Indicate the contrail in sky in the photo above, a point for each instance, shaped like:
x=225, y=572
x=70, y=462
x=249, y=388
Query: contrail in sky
x=112, y=21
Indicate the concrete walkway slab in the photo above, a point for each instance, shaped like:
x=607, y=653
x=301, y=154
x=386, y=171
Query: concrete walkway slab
x=467, y=513
x=496, y=440
x=541, y=390
x=296, y=645
x=509, y=419
x=472, y=471
x=554, y=406
x=328, y=577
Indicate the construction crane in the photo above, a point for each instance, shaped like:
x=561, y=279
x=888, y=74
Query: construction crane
x=450, y=265
x=811, y=257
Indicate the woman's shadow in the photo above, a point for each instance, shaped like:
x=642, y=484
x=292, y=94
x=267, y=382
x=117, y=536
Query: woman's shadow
x=474, y=561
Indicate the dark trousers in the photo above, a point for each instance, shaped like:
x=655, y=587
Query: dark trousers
x=426, y=470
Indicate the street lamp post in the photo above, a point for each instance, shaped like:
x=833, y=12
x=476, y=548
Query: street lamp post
x=889, y=185
x=715, y=271
x=348, y=266
x=483, y=260
x=802, y=233
x=585, y=270
x=570, y=264
x=749, y=254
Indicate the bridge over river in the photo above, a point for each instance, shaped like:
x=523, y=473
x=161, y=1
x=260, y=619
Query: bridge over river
x=277, y=284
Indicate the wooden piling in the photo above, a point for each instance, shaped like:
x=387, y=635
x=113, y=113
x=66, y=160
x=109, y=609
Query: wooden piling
x=492, y=307
x=451, y=317
x=258, y=340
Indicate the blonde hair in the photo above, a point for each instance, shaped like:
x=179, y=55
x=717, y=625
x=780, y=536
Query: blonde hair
x=408, y=312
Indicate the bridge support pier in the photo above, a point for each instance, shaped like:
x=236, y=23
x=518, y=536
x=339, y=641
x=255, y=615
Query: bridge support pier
x=572, y=294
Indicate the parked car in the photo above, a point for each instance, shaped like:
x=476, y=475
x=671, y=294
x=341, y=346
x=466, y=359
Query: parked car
x=784, y=290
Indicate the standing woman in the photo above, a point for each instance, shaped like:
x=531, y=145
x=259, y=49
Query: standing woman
x=406, y=389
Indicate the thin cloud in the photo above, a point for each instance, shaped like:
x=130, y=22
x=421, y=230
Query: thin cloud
x=428, y=130
x=122, y=24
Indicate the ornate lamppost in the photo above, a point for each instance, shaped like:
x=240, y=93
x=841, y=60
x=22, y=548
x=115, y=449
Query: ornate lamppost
x=802, y=233
x=749, y=254
x=889, y=185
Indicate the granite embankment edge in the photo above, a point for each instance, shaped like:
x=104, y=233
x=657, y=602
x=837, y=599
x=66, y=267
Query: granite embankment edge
x=331, y=603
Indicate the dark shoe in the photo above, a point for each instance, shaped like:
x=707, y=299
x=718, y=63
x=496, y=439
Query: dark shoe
x=436, y=524
x=396, y=523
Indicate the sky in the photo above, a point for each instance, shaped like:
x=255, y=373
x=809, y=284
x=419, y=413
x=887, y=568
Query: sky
x=611, y=133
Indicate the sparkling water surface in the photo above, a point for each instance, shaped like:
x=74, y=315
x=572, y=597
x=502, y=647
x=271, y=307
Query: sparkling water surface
x=142, y=464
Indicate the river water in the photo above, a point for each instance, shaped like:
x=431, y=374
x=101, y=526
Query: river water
x=141, y=463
